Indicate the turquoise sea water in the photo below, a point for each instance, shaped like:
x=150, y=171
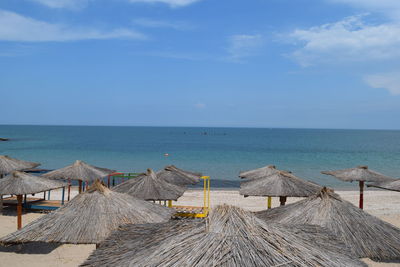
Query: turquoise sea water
x=218, y=152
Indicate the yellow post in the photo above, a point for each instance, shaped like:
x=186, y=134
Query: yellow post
x=170, y=203
x=208, y=197
x=205, y=191
x=269, y=202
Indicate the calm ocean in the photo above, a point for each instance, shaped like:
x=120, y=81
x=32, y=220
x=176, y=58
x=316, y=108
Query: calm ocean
x=218, y=152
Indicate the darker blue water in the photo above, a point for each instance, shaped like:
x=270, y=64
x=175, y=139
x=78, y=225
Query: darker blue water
x=218, y=152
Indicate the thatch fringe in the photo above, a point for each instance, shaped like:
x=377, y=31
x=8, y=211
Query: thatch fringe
x=388, y=185
x=150, y=187
x=89, y=218
x=278, y=184
x=79, y=170
x=21, y=183
x=231, y=237
x=8, y=164
x=366, y=235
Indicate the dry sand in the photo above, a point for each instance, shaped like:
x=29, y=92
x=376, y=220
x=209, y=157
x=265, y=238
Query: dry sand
x=383, y=204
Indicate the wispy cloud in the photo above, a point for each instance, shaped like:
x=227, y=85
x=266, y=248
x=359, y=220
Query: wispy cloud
x=15, y=27
x=390, y=8
x=242, y=46
x=351, y=39
x=171, y=3
x=389, y=81
x=69, y=4
x=153, y=23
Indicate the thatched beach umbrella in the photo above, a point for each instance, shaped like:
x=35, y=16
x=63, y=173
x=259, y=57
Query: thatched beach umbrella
x=388, y=185
x=366, y=235
x=80, y=171
x=280, y=184
x=89, y=218
x=361, y=174
x=230, y=237
x=260, y=172
x=150, y=187
x=8, y=164
x=177, y=176
x=20, y=183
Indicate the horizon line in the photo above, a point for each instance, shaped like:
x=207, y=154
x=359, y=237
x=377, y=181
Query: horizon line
x=179, y=126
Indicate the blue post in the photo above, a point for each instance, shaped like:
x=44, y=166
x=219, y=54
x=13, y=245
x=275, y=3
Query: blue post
x=62, y=197
x=48, y=195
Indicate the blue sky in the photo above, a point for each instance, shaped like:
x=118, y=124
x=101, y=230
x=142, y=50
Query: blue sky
x=258, y=63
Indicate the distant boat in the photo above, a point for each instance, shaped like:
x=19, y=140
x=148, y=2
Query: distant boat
x=166, y=154
x=4, y=139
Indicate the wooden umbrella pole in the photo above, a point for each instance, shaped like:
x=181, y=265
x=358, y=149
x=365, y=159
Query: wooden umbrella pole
x=282, y=200
x=269, y=202
x=1, y=203
x=69, y=188
x=19, y=211
x=80, y=186
x=361, y=204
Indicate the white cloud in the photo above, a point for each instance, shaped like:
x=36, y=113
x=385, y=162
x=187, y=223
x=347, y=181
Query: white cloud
x=14, y=27
x=152, y=23
x=70, y=4
x=390, y=8
x=242, y=46
x=171, y=3
x=350, y=39
x=389, y=81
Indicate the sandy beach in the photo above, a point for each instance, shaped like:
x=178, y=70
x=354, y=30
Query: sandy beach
x=383, y=204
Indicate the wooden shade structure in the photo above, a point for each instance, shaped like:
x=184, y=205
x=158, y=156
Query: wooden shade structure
x=177, y=176
x=150, y=187
x=361, y=174
x=364, y=234
x=231, y=237
x=80, y=171
x=260, y=172
x=8, y=164
x=279, y=184
x=388, y=185
x=89, y=218
x=20, y=183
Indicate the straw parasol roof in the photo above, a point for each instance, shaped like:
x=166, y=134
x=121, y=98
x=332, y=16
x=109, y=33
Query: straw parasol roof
x=79, y=170
x=177, y=176
x=21, y=183
x=260, y=172
x=89, y=218
x=8, y=164
x=279, y=184
x=360, y=173
x=365, y=235
x=230, y=237
x=150, y=187
x=388, y=185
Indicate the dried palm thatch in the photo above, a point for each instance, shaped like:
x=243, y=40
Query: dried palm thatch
x=177, y=176
x=366, y=235
x=150, y=187
x=231, y=237
x=79, y=170
x=260, y=172
x=280, y=184
x=389, y=185
x=21, y=183
x=8, y=164
x=89, y=218
x=361, y=174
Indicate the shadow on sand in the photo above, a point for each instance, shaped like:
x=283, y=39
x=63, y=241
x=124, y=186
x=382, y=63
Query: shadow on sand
x=30, y=248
